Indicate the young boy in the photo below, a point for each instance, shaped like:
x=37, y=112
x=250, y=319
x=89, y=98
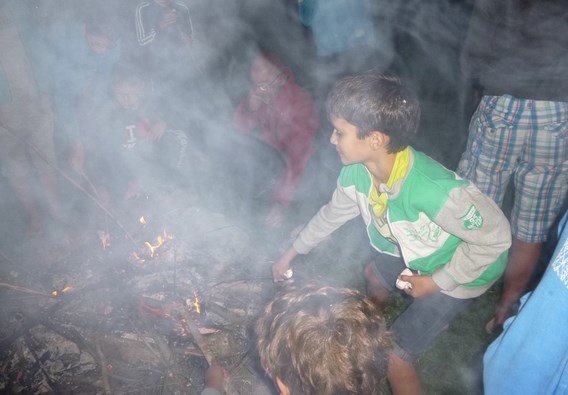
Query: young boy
x=131, y=146
x=323, y=340
x=418, y=215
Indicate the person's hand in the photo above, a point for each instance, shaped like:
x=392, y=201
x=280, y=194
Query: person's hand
x=421, y=285
x=133, y=190
x=275, y=216
x=283, y=264
x=216, y=377
x=77, y=157
x=185, y=38
x=168, y=19
x=256, y=101
x=157, y=131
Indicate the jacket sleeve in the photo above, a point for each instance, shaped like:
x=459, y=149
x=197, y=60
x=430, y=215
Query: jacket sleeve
x=330, y=217
x=483, y=229
x=145, y=33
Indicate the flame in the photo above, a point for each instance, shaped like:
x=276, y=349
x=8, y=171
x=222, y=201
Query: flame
x=142, y=220
x=160, y=240
x=105, y=239
x=138, y=258
x=196, y=303
x=64, y=290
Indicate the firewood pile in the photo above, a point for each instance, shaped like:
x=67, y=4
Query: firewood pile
x=141, y=313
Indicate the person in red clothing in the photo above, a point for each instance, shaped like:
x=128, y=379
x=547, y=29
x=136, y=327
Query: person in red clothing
x=284, y=116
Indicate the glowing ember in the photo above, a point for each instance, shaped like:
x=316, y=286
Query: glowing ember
x=196, y=304
x=137, y=258
x=64, y=290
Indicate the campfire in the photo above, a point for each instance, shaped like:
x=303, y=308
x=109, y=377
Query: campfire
x=143, y=317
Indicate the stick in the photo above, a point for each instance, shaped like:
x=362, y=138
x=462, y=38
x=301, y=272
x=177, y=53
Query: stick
x=190, y=326
x=74, y=183
x=104, y=373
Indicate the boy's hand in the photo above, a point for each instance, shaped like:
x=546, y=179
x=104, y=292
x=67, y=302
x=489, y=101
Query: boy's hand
x=421, y=286
x=283, y=264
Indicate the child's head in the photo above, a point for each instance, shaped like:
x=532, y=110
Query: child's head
x=127, y=87
x=268, y=74
x=323, y=340
x=375, y=102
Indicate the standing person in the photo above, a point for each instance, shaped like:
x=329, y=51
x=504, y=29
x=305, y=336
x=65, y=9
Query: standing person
x=286, y=119
x=346, y=38
x=418, y=215
x=26, y=125
x=87, y=51
x=164, y=31
x=517, y=53
x=536, y=340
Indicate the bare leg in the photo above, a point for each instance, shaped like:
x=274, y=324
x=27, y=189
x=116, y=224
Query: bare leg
x=378, y=294
x=402, y=376
x=522, y=262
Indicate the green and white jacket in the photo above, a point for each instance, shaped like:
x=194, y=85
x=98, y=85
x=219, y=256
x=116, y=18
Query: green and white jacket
x=443, y=225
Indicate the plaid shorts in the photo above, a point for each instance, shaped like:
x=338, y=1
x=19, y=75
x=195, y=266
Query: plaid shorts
x=526, y=139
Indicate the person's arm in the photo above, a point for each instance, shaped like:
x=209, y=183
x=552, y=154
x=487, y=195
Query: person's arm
x=330, y=217
x=145, y=33
x=483, y=229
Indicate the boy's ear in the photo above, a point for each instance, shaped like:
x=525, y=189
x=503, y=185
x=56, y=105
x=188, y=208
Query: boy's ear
x=378, y=140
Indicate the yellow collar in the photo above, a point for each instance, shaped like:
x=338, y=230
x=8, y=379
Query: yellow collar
x=378, y=201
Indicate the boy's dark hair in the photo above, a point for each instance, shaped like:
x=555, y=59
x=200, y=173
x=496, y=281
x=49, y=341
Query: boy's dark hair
x=324, y=340
x=376, y=102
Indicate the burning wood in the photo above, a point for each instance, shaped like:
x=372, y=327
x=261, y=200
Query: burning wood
x=129, y=328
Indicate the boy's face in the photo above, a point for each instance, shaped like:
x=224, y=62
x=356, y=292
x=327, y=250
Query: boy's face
x=350, y=147
x=127, y=95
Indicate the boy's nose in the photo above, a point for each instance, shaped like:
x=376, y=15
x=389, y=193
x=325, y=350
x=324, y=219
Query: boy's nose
x=333, y=139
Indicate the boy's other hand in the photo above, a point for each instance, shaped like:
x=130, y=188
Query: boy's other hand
x=421, y=286
x=282, y=265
